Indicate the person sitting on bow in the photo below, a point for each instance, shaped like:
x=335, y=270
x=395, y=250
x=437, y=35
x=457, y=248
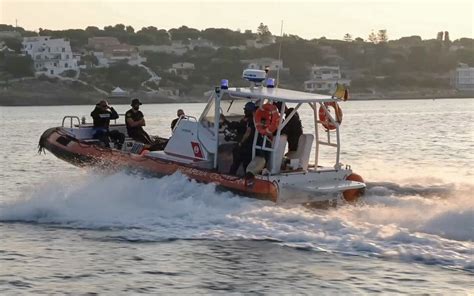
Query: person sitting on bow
x=135, y=121
x=101, y=115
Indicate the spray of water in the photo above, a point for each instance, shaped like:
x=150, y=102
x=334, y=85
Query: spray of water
x=423, y=223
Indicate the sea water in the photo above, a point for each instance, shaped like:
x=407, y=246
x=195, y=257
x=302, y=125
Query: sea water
x=66, y=230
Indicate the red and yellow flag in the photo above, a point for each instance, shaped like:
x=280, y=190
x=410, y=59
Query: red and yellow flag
x=341, y=92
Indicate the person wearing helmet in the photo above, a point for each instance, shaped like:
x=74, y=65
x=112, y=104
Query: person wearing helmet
x=245, y=129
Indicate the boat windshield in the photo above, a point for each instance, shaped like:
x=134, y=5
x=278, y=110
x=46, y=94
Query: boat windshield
x=232, y=109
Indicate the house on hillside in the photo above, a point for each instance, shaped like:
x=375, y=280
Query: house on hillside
x=100, y=43
x=262, y=63
x=176, y=48
x=108, y=50
x=50, y=56
x=200, y=42
x=115, y=53
x=182, y=69
x=258, y=43
x=324, y=79
x=463, y=78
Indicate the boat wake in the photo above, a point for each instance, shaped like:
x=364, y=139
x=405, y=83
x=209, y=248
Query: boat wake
x=428, y=224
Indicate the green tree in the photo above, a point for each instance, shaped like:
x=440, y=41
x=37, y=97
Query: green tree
x=150, y=35
x=130, y=29
x=19, y=66
x=13, y=43
x=263, y=32
x=372, y=38
x=348, y=37
x=124, y=75
x=382, y=36
x=92, y=30
x=184, y=33
x=224, y=37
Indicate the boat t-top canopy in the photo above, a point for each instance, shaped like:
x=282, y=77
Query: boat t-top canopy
x=277, y=94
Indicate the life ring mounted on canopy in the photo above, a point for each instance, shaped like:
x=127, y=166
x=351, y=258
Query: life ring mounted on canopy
x=267, y=119
x=324, y=118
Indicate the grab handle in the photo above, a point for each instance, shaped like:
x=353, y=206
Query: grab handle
x=71, y=118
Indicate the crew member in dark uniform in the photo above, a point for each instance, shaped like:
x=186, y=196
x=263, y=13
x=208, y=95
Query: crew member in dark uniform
x=102, y=114
x=293, y=129
x=179, y=113
x=135, y=122
x=245, y=128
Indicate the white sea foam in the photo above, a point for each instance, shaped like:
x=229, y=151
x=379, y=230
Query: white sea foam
x=410, y=222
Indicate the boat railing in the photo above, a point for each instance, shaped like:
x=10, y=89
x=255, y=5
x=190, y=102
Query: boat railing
x=71, y=121
x=120, y=115
x=328, y=141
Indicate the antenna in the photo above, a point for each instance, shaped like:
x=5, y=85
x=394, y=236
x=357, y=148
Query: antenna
x=279, y=55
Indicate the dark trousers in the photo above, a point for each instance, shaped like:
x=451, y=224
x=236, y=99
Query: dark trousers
x=105, y=136
x=240, y=155
x=141, y=136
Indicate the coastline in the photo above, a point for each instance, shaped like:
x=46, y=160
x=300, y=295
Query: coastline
x=196, y=101
x=45, y=93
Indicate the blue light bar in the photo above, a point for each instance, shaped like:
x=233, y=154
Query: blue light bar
x=224, y=84
x=270, y=82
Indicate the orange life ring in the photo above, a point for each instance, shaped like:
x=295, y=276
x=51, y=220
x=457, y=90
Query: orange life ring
x=328, y=124
x=267, y=119
x=352, y=195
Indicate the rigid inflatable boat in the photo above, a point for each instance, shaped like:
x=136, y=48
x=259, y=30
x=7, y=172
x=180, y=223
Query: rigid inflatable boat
x=201, y=148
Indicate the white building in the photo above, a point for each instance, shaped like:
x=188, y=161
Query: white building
x=262, y=63
x=257, y=43
x=200, y=43
x=176, y=48
x=50, y=56
x=324, y=79
x=463, y=77
x=123, y=52
x=182, y=69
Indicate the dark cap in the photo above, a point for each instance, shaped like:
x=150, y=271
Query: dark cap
x=250, y=106
x=135, y=102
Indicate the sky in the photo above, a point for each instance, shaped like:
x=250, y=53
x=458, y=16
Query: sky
x=307, y=19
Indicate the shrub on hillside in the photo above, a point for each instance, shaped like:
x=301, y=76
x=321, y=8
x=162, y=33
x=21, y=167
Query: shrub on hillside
x=18, y=65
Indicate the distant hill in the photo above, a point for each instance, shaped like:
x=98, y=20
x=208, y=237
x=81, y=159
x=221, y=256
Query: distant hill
x=374, y=64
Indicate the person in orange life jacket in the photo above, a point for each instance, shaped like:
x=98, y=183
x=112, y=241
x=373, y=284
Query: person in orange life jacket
x=179, y=113
x=101, y=115
x=245, y=128
x=135, y=122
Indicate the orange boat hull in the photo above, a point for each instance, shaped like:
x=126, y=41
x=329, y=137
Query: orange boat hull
x=78, y=153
